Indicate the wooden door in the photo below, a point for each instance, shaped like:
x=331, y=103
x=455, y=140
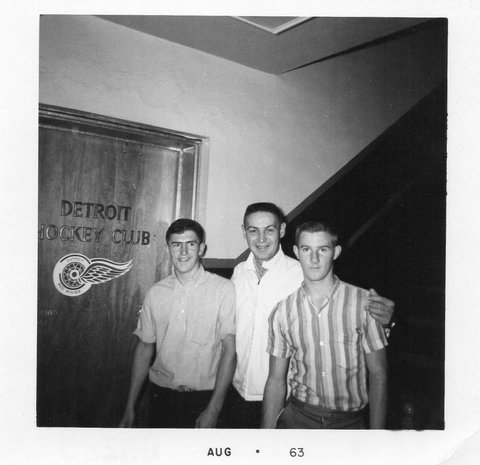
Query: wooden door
x=108, y=190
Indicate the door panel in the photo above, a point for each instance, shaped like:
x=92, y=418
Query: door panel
x=105, y=203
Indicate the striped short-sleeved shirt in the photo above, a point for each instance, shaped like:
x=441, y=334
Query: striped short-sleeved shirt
x=327, y=346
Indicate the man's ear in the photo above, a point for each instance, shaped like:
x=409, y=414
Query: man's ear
x=202, y=249
x=283, y=227
x=295, y=251
x=337, y=251
x=244, y=232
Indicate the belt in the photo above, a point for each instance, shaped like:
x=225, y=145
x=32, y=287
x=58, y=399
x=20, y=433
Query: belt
x=184, y=389
x=320, y=411
x=180, y=388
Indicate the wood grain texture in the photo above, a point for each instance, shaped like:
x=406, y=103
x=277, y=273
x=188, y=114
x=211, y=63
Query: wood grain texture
x=85, y=342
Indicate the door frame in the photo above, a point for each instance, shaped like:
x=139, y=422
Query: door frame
x=92, y=123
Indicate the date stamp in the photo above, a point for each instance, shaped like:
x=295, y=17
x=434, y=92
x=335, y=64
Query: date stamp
x=219, y=452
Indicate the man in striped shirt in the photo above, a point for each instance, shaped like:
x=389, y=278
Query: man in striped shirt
x=331, y=343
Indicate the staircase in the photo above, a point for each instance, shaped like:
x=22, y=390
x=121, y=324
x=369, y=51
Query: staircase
x=389, y=204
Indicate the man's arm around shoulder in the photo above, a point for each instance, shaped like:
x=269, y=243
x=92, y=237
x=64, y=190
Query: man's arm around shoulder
x=275, y=391
x=142, y=358
x=377, y=379
x=380, y=308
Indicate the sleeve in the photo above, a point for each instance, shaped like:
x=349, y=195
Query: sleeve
x=374, y=338
x=234, y=275
x=227, y=310
x=278, y=341
x=145, y=329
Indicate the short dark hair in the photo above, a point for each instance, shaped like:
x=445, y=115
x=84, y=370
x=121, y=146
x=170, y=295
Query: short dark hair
x=264, y=207
x=313, y=226
x=185, y=224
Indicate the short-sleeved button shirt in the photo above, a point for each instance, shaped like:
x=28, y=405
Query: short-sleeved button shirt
x=327, y=346
x=187, y=322
x=255, y=301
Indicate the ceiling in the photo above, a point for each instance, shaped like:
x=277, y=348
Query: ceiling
x=271, y=44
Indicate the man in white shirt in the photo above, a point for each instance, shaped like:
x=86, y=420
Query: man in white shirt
x=265, y=278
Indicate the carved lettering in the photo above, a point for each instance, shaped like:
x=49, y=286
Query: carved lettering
x=115, y=240
x=51, y=232
x=145, y=238
x=94, y=210
x=126, y=210
x=97, y=232
x=62, y=236
x=66, y=208
x=83, y=233
x=77, y=209
x=70, y=233
x=111, y=212
x=99, y=210
x=76, y=233
x=88, y=205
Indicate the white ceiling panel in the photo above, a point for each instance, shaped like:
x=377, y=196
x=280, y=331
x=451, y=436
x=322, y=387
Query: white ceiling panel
x=296, y=42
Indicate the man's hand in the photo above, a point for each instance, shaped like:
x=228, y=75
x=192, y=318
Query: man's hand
x=127, y=419
x=380, y=308
x=207, y=419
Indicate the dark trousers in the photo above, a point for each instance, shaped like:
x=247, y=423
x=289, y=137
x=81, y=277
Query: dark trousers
x=240, y=413
x=299, y=415
x=175, y=409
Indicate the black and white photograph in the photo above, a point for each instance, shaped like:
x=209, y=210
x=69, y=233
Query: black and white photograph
x=238, y=221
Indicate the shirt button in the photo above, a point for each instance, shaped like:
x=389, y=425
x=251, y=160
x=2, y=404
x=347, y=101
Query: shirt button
x=324, y=374
x=322, y=343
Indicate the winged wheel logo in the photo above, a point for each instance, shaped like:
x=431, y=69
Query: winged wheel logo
x=74, y=274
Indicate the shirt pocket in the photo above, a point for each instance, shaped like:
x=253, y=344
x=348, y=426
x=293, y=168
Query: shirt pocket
x=202, y=330
x=347, y=349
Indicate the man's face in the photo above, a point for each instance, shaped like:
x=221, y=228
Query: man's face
x=185, y=251
x=263, y=232
x=316, y=253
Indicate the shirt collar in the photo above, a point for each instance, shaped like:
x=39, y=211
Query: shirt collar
x=333, y=290
x=266, y=264
x=196, y=278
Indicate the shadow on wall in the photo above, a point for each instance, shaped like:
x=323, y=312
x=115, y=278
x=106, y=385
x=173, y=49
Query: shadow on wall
x=392, y=202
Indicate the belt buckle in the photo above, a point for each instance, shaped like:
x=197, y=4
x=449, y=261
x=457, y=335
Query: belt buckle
x=184, y=389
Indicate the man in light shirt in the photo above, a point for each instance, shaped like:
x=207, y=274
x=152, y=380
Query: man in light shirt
x=265, y=278
x=187, y=323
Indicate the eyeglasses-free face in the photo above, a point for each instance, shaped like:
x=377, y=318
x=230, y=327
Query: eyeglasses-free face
x=316, y=253
x=263, y=233
x=185, y=252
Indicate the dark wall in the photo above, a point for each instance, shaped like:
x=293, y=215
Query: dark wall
x=390, y=209
x=397, y=191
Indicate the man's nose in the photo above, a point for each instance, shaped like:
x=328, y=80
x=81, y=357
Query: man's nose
x=315, y=258
x=261, y=236
x=183, y=249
